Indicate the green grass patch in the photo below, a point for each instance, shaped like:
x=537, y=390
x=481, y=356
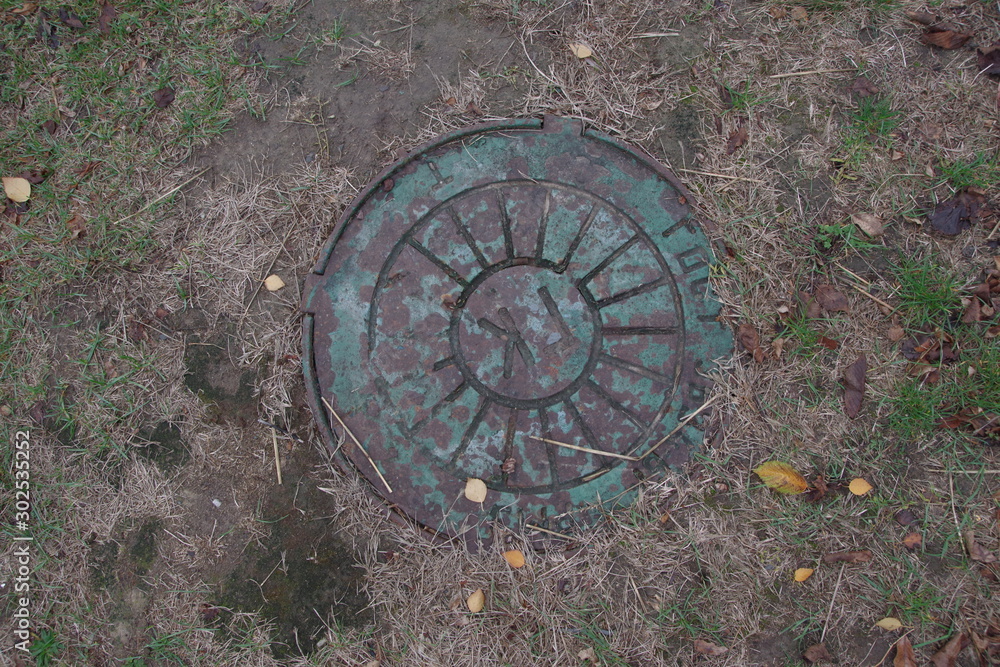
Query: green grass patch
x=928, y=294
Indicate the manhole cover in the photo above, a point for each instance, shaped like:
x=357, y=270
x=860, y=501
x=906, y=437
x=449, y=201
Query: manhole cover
x=523, y=303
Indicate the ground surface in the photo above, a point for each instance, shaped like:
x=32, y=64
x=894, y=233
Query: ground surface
x=141, y=355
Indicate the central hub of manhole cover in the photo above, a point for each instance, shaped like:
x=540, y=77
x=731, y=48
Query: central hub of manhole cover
x=524, y=303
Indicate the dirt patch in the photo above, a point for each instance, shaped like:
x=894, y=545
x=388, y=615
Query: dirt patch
x=213, y=376
x=164, y=446
x=305, y=576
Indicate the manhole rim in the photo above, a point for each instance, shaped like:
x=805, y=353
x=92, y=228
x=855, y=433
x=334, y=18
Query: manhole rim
x=314, y=392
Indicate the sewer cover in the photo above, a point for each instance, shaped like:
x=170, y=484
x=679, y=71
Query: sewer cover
x=504, y=304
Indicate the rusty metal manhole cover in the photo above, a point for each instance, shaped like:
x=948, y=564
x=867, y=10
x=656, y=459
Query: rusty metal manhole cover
x=503, y=304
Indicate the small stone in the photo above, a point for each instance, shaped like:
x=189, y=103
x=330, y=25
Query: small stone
x=6, y=411
x=216, y=502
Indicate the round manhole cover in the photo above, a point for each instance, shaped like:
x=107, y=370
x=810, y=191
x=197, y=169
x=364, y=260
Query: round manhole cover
x=524, y=303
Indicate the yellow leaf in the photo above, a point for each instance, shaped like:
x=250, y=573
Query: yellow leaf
x=889, y=623
x=476, y=601
x=515, y=558
x=475, y=490
x=581, y=51
x=17, y=188
x=273, y=283
x=859, y=487
x=803, y=573
x=781, y=477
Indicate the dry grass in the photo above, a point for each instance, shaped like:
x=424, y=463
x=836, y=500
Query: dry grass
x=705, y=553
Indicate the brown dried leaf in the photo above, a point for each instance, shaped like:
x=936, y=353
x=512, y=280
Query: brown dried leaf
x=50, y=126
x=945, y=38
x=106, y=17
x=847, y=557
x=972, y=312
x=988, y=58
x=707, y=648
x=913, y=540
x=896, y=333
x=864, y=88
x=947, y=656
x=924, y=18
x=829, y=343
x=818, y=490
x=817, y=653
x=750, y=340
x=905, y=657
x=508, y=466
x=737, y=138
x=802, y=574
x=799, y=14
x=777, y=12
x=781, y=477
x=25, y=9
x=977, y=551
x=77, y=226
x=475, y=490
x=163, y=97
x=70, y=20
x=832, y=299
x=859, y=486
x=854, y=386
x=954, y=215
x=906, y=518
x=868, y=223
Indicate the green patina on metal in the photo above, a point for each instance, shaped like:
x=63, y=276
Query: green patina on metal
x=506, y=285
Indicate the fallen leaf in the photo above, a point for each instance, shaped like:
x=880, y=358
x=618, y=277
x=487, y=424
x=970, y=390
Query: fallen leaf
x=273, y=283
x=707, y=648
x=803, y=573
x=945, y=38
x=106, y=17
x=581, y=51
x=508, y=466
x=864, y=88
x=905, y=657
x=817, y=653
x=514, y=558
x=799, y=14
x=25, y=9
x=209, y=612
x=906, y=518
x=70, y=20
x=988, y=59
x=947, y=656
x=50, y=126
x=587, y=654
x=781, y=477
x=750, y=340
x=829, y=343
x=957, y=214
x=475, y=490
x=737, y=138
x=859, y=486
x=474, y=109
x=163, y=97
x=77, y=226
x=977, y=551
x=854, y=386
x=889, y=623
x=832, y=299
x=847, y=557
x=777, y=12
x=972, y=312
x=819, y=489
x=16, y=188
x=924, y=18
x=35, y=176
x=896, y=333
x=867, y=223
x=913, y=540
x=476, y=601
